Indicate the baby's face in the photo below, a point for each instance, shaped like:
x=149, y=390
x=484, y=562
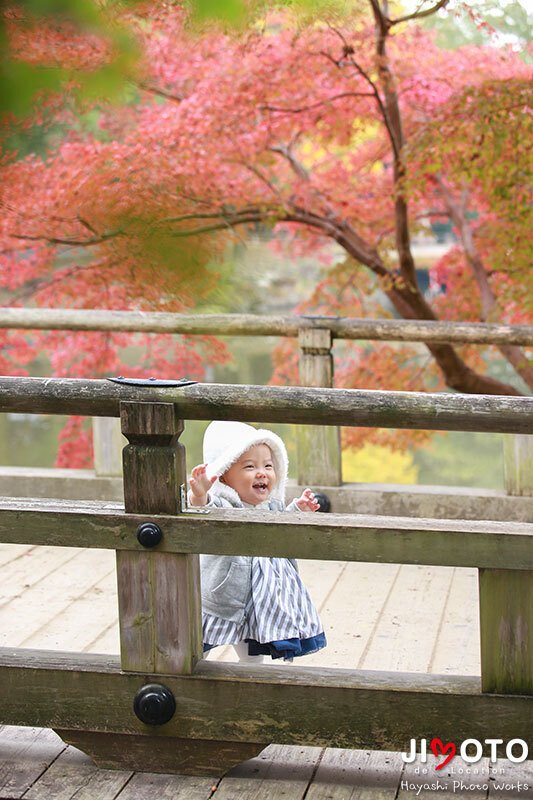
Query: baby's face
x=253, y=476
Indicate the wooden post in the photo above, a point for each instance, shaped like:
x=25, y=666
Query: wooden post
x=506, y=596
x=518, y=464
x=159, y=606
x=107, y=444
x=319, y=449
x=158, y=593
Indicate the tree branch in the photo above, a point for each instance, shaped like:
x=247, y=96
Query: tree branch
x=319, y=104
x=489, y=304
x=420, y=14
x=160, y=92
x=68, y=242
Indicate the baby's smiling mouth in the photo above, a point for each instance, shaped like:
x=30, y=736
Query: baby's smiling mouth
x=260, y=486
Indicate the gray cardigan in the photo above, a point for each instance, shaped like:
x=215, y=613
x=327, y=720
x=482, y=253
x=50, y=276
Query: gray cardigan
x=226, y=580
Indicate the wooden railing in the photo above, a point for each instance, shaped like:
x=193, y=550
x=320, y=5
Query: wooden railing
x=316, y=336
x=202, y=717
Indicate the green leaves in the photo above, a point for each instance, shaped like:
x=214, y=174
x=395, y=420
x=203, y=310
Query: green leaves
x=35, y=35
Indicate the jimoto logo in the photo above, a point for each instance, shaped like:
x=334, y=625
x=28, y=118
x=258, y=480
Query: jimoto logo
x=470, y=750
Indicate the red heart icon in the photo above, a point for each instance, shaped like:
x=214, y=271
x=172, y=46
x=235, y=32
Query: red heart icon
x=438, y=748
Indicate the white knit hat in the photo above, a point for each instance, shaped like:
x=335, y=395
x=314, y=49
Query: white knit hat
x=225, y=442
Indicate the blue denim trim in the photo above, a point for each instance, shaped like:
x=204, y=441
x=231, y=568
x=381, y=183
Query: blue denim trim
x=287, y=648
x=283, y=648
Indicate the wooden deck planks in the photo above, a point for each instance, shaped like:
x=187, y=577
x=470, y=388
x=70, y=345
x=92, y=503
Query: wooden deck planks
x=10, y=552
x=33, y=608
x=457, y=646
x=80, y=622
x=36, y=765
x=376, y=616
x=30, y=568
x=352, y=611
x=356, y=775
x=405, y=634
x=74, y=776
x=279, y=771
x=151, y=786
x=25, y=753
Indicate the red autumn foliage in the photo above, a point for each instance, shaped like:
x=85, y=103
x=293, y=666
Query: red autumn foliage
x=346, y=132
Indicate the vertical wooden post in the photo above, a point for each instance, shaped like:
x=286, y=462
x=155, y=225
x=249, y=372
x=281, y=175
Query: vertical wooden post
x=319, y=448
x=506, y=596
x=158, y=593
x=107, y=444
x=159, y=606
x=518, y=464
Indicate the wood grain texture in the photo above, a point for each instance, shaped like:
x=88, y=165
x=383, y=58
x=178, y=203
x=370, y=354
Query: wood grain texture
x=356, y=775
x=280, y=771
x=73, y=776
x=291, y=404
x=518, y=464
x=319, y=447
x=158, y=593
x=317, y=707
x=506, y=630
x=145, y=753
x=331, y=537
x=259, y=325
x=25, y=753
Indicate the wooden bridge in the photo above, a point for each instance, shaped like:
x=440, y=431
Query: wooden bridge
x=226, y=713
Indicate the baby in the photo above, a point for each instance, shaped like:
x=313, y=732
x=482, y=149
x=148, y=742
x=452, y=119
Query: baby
x=259, y=601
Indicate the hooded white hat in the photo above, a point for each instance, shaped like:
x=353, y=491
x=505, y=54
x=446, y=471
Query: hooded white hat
x=225, y=442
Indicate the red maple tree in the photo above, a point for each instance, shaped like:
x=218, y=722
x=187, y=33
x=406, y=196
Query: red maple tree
x=347, y=131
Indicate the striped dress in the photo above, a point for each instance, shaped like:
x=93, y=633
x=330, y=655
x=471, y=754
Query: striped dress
x=280, y=619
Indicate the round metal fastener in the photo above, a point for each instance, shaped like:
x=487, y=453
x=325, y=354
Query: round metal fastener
x=149, y=534
x=154, y=704
x=323, y=501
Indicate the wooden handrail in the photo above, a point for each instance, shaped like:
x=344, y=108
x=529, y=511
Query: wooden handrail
x=289, y=404
x=258, y=325
x=346, y=537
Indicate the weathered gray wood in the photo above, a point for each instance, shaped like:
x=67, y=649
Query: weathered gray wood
x=145, y=753
x=506, y=596
x=25, y=753
x=356, y=775
x=396, y=500
x=291, y=404
x=152, y=786
x=265, y=704
x=319, y=447
x=510, y=780
x=158, y=593
x=107, y=445
x=518, y=464
x=279, y=772
x=506, y=630
x=422, y=781
x=350, y=537
x=255, y=325
x=73, y=776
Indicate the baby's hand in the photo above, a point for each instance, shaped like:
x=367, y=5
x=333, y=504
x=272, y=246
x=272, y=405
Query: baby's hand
x=307, y=501
x=200, y=485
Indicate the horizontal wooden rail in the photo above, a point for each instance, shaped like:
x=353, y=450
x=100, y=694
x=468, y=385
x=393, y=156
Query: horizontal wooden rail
x=256, y=325
x=306, y=706
x=290, y=404
x=347, y=537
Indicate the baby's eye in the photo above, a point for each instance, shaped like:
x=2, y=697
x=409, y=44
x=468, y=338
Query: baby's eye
x=269, y=466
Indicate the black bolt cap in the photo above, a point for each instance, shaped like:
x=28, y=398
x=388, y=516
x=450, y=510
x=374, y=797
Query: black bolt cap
x=149, y=534
x=154, y=704
x=323, y=501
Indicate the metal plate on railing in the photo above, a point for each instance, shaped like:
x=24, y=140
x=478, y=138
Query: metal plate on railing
x=151, y=381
